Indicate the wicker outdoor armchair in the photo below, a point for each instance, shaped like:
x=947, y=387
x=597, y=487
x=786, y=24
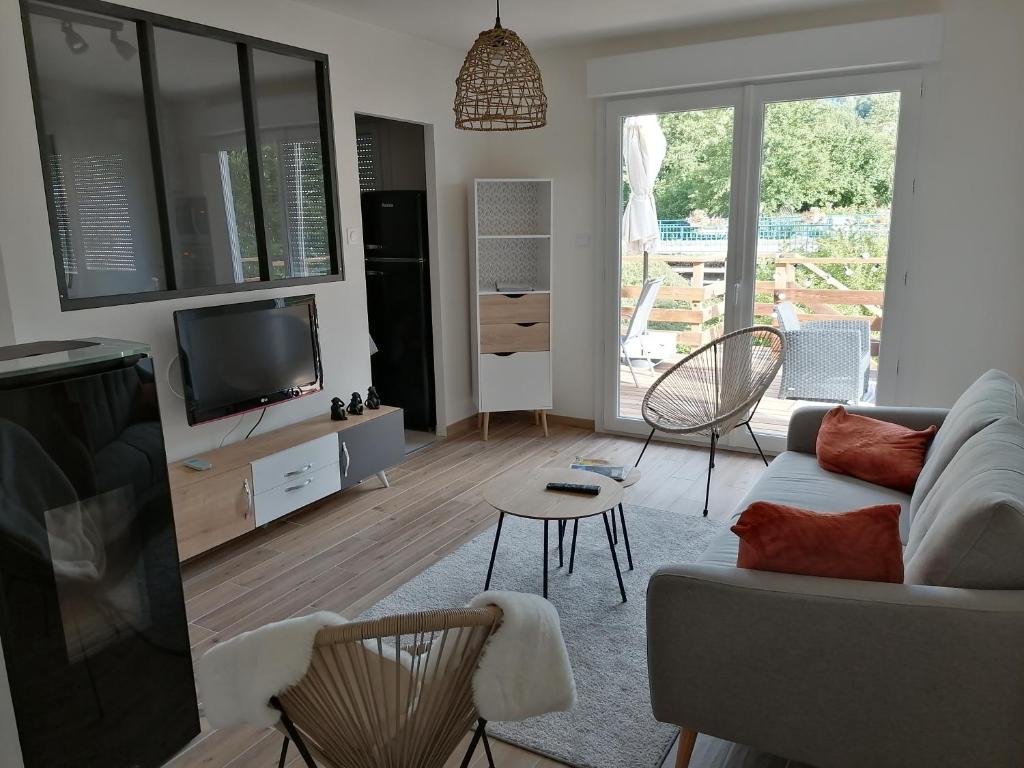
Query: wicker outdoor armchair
x=361, y=705
x=824, y=359
x=715, y=389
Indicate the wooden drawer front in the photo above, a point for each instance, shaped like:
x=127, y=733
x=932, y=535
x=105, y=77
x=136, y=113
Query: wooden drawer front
x=298, y=492
x=209, y=512
x=509, y=337
x=299, y=462
x=522, y=308
x=518, y=382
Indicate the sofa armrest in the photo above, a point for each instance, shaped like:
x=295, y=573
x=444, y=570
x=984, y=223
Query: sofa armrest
x=805, y=421
x=836, y=673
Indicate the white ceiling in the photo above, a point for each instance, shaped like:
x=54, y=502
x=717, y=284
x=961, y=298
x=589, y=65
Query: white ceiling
x=544, y=23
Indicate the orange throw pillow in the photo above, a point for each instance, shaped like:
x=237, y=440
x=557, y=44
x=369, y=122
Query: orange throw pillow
x=877, y=451
x=863, y=544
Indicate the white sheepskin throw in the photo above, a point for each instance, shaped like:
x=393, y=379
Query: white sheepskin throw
x=237, y=678
x=525, y=669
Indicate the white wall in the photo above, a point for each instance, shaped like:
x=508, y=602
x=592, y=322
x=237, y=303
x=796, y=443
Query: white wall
x=372, y=71
x=964, y=300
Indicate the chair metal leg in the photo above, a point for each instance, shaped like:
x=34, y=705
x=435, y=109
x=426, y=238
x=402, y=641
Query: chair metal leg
x=644, y=449
x=615, y=530
x=293, y=733
x=284, y=752
x=711, y=466
x=629, y=363
x=487, y=744
x=625, y=535
x=615, y=559
x=572, y=551
x=545, y=559
x=494, y=551
x=754, y=438
x=477, y=735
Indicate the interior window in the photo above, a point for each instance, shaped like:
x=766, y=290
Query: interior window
x=202, y=130
x=178, y=158
x=96, y=149
x=292, y=157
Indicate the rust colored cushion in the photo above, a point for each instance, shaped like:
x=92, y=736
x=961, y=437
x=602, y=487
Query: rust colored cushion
x=877, y=451
x=862, y=544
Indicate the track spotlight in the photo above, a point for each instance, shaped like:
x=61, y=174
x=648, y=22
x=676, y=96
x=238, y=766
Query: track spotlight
x=124, y=49
x=74, y=41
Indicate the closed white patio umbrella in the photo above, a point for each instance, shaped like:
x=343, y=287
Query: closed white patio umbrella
x=643, y=150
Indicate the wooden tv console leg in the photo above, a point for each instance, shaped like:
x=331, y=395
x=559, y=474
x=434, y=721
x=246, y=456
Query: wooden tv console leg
x=383, y=477
x=544, y=422
x=486, y=424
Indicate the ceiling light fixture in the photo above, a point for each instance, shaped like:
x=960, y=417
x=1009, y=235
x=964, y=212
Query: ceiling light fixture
x=499, y=87
x=74, y=41
x=124, y=49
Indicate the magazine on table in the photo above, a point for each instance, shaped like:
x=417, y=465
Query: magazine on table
x=600, y=467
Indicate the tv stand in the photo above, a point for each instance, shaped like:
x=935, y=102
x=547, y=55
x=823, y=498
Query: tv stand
x=254, y=482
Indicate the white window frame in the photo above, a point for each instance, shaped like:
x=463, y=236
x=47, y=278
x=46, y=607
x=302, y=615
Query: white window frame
x=749, y=101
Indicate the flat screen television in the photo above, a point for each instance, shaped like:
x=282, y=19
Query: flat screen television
x=241, y=357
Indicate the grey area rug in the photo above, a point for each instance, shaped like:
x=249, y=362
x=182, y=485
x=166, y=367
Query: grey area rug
x=612, y=725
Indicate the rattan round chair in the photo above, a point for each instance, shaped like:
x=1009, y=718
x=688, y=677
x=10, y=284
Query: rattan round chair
x=361, y=704
x=715, y=389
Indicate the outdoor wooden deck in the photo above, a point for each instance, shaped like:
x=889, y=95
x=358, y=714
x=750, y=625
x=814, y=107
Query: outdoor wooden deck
x=772, y=417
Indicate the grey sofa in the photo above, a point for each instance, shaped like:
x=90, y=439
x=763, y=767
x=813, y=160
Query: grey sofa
x=849, y=674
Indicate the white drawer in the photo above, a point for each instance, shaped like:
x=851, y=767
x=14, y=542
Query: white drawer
x=517, y=382
x=301, y=491
x=298, y=462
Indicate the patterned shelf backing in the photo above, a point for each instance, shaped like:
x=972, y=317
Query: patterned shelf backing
x=510, y=208
x=513, y=261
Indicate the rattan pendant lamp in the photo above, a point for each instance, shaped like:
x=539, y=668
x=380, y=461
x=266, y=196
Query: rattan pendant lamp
x=499, y=87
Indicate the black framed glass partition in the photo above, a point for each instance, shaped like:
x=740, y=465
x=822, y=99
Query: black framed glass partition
x=179, y=159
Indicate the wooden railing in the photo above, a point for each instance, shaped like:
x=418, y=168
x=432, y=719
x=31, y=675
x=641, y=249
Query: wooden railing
x=706, y=299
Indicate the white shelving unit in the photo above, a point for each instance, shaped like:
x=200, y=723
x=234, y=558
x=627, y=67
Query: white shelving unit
x=510, y=232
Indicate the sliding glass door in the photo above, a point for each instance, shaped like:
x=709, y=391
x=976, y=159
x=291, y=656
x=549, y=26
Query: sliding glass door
x=777, y=204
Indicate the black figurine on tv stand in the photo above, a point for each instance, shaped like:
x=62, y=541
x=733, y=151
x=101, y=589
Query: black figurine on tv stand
x=338, y=409
x=372, y=399
x=355, y=406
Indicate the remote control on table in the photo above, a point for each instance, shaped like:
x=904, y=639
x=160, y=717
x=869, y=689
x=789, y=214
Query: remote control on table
x=589, y=490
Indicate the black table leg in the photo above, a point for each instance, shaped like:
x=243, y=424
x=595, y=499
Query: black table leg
x=572, y=551
x=494, y=551
x=545, y=558
x=625, y=535
x=561, y=536
x=611, y=546
x=615, y=529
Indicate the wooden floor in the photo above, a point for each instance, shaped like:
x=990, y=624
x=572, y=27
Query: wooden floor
x=354, y=548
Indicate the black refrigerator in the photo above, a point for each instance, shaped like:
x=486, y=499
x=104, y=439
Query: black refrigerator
x=95, y=670
x=398, y=302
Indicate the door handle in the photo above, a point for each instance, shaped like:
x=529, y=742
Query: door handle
x=300, y=486
x=374, y=273
x=348, y=459
x=373, y=246
x=297, y=472
x=248, y=497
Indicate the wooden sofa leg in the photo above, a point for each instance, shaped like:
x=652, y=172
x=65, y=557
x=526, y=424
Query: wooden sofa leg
x=687, y=739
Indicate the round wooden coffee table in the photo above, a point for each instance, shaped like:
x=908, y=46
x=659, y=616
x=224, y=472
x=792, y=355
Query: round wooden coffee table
x=522, y=493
